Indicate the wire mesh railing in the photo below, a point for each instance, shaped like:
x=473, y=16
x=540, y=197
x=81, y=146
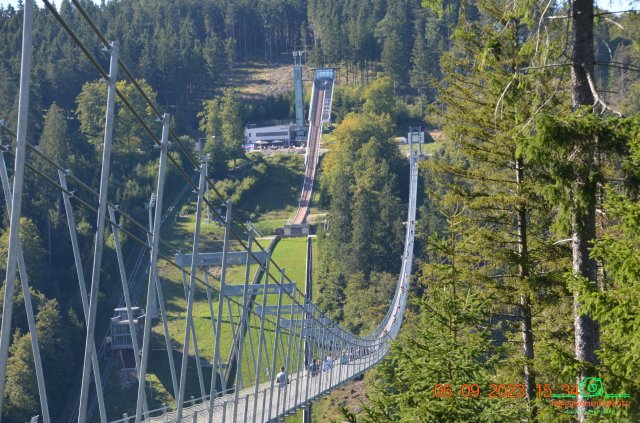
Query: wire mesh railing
x=271, y=321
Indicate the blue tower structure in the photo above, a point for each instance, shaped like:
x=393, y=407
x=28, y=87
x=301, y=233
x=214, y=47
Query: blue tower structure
x=299, y=96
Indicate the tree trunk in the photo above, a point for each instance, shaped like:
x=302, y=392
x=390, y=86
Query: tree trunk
x=244, y=36
x=527, y=350
x=582, y=55
x=525, y=300
x=48, y=217
x=583, y=209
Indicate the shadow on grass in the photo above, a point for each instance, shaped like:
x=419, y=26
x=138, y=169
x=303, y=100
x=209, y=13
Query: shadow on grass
x=159, y=366
x=158, y=384
x=281, y=187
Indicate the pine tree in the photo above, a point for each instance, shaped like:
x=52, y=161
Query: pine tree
x=421, y=63
x=583, y=210
x=614, y=306
x=21, y=390
x=394, y=34
x=54, y=144
x=331, y=280
x=34, y=254
x=445, y=347
x=231, y=128
x=559, y=138
x=211, y=125
x=367, y=301
x=489, y=109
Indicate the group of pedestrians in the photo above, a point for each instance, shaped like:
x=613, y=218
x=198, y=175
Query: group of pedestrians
x=325, y=365
x=316, y=366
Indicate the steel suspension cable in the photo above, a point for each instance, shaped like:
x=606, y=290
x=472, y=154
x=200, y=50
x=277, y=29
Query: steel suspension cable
x=121, y=228
x=175, y=137
x=185, y=151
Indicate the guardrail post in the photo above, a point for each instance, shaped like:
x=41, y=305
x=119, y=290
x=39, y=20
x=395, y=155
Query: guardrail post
x=217, y=367
x=258, y=361
x=224, y=411
x=241, y=328
x=264, y=402
x=274, y=362
x=246, y=407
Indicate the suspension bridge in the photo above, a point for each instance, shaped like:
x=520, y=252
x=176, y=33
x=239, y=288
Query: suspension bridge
x=259, y=319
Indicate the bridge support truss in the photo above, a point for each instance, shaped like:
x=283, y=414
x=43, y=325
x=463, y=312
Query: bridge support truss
x=270, y=323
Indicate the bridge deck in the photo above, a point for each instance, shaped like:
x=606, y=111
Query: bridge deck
x=303, y=388
x=271, y=403
x=315, y=336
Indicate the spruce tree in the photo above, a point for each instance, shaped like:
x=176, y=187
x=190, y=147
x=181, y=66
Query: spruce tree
x=440, y=368
x=211, y=125
x=615, y=306
x=583, y=210
x=231, y=128
x=489, y=106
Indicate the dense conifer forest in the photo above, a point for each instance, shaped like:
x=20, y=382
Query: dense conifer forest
x=528, y=273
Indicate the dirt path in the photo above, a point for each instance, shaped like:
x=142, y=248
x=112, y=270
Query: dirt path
x=260, y=80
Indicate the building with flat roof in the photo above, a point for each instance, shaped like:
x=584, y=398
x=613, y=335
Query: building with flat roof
x=278, y=132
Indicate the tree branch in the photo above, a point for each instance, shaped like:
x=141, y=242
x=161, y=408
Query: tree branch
x=504, y=92
x=540, y=23
x=598, y=99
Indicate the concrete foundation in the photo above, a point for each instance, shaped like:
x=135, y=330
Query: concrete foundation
x=296, y=230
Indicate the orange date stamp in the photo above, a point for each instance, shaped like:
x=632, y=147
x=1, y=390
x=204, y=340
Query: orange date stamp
x=589, y=388
x=473, y=390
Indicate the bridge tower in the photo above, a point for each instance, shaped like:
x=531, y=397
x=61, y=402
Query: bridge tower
x=415, y=136
x=299, y=95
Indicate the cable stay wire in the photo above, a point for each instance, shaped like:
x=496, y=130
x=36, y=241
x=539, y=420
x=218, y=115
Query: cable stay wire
x=133, y=236
x=33, y=168
x=319, y=320
x=174, y=136
x=313, y=315
x=153, y=136
x=187, y=153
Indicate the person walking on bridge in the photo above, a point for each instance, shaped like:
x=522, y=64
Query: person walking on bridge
x=282, y=378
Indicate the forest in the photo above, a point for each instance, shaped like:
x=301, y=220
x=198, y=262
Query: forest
x=527, y=271
x=528, y=281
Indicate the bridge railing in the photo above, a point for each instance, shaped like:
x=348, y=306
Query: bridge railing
x=275, y=345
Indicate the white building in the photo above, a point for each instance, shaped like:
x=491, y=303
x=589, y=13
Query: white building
x=282, y=132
